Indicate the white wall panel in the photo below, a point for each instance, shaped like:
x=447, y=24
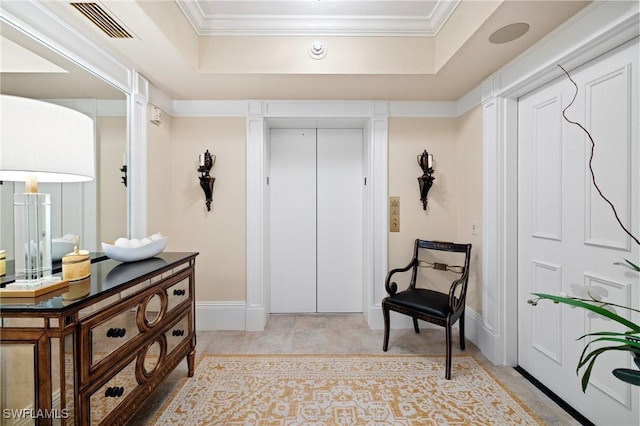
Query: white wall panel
x=547, y=169
x=546, y=318
x=258, y=275
x=608, y=106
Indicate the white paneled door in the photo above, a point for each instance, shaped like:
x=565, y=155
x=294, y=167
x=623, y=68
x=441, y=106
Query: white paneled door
x=567, y=235
x=316, y=187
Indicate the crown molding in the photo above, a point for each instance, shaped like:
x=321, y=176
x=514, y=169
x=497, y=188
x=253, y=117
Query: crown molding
x=317, y=108
x=308, y=25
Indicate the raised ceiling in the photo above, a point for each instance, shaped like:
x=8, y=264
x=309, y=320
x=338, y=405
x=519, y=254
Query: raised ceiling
x=386, y=50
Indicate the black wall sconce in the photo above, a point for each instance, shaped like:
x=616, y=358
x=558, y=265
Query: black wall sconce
x=206, y=180
x=425, y=161
x=123, y=169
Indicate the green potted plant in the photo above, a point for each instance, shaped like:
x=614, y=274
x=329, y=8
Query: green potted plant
x=591, y=299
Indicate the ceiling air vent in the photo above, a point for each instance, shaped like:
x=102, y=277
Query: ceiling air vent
x=96, y=14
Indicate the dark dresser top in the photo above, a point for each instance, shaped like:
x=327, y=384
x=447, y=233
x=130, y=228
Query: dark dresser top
x=107, y=275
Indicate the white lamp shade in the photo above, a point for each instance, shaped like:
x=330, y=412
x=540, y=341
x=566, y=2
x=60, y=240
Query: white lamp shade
x=52, y=142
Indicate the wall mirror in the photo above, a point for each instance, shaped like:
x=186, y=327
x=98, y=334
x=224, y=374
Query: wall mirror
x=98, y=210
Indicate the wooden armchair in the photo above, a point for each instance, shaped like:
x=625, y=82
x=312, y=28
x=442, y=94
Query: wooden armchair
x=433, y=306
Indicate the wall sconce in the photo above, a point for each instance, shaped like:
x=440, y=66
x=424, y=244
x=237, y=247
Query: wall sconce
x=123, y=169
x=206, y=181
x=425, y=161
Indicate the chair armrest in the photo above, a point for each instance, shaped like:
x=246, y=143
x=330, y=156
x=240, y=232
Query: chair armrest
x=456, y=303
x=392, y=287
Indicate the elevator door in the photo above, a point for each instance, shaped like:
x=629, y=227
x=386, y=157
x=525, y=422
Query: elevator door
x=316, y=187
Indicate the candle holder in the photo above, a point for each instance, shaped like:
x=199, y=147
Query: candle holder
x=425, y=161
x=206, y=180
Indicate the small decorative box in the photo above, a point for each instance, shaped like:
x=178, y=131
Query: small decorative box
x=76, y=265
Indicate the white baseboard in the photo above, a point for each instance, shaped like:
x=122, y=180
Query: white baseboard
x=220, y=316
x=256, y=319
x=486, y=340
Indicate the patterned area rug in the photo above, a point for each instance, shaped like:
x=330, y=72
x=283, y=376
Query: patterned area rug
x=340, y=390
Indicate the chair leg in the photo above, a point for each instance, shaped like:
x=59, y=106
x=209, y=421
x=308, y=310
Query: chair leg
x=385, y=316
x=415, y=325
x=461, y=327
x=447, y=372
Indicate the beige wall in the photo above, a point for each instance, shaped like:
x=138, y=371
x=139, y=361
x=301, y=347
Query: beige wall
x=176, y=202
x=409, y=137
x=160, y=179
x=469, y=191
x=455, y=200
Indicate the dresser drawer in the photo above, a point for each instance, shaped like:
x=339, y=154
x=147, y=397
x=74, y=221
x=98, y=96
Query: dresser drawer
x=108, y=336
x=107, y=398
x=178, y=293
x=179, y=332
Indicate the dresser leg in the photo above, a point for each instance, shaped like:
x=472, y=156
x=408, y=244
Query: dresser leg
x=191, y=357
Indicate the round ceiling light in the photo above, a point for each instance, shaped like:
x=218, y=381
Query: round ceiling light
x=509, y=33
x=317, y=50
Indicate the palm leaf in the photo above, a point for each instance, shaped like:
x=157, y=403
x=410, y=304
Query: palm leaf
x=634, y=345
x=627, y=334
x=587, y=375
x=627, y=375
x=584, y=357
x=593, y=308
x=633, y=265
x=593, y=356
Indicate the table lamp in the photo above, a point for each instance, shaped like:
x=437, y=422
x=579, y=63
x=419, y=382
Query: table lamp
x=40, y=142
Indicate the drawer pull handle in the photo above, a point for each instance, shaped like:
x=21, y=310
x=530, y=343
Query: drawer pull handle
x=179, y=292
x=116, y=332
x=178, y=332
x=114, y=391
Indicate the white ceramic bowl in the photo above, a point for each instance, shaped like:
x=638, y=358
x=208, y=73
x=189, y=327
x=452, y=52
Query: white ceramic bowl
x=133, y=254
x=61, y=248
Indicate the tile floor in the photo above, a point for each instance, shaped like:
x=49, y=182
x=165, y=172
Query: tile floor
x=344, y=334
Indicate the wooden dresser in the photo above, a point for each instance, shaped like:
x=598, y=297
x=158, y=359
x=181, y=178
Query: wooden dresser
x=92, y=354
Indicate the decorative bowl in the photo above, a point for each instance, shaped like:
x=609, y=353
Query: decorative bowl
x=133, y=254
x=61, y=248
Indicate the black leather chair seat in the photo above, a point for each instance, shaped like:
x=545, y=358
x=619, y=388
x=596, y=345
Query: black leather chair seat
x=421, y=300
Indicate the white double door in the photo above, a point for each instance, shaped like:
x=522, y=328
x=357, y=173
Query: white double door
x=567, y=235
x=316, y=191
